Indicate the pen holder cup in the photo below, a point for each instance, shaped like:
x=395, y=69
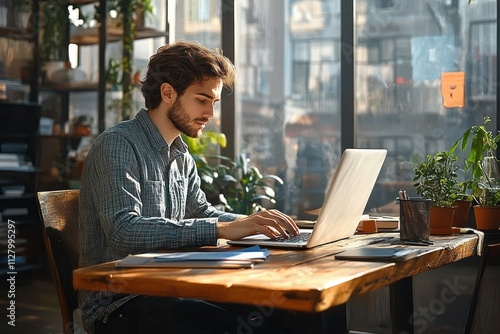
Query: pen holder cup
x=414, y=219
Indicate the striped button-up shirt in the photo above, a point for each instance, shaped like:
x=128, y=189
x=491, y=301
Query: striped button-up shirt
x=138, y=194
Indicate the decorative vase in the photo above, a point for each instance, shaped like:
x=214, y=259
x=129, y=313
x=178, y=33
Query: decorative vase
x=52, y=67
x=487, y=218
x=441, y=220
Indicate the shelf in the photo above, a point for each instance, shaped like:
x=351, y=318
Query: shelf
x=12, y=81
x=17, y=197
x=77, y=87
x=64, y=136
x=15, y=33
x=90, y=36
x=17, y=136
x=82, y=2
x=20, y=169
x=71, y=87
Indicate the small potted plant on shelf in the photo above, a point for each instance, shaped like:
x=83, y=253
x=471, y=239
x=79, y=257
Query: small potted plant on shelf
x=484, y=183
x=436, y=179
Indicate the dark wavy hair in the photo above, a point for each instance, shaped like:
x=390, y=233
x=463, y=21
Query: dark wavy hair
x=181, y=64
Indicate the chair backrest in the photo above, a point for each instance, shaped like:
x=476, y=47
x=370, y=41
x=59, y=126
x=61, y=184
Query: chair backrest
x=484, y=309
x=59, y=214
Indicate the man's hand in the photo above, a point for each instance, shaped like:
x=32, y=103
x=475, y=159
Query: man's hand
x=272, y=223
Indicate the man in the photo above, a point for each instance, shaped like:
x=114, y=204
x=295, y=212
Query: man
x=140, y=192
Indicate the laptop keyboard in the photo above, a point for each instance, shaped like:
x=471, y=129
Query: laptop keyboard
x=302, y=237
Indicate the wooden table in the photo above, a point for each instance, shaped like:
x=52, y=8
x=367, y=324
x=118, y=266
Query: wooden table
x=301, y=280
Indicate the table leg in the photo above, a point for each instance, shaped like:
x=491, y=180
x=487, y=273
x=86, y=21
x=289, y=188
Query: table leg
x=401, y=306
x=335, y=320
x=332, y=321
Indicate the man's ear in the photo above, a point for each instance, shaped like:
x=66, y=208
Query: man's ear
x=168, y=93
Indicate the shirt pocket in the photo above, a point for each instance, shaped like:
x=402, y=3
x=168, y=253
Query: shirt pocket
x=178, y=194
x=153, y=199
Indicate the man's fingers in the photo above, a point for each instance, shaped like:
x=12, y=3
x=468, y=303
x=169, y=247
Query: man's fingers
x=286, y=221
x=280, y=222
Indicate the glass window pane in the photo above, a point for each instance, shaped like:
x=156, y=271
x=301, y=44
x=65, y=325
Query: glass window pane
x=403, y=48
x=200, y=21
x=290, y=118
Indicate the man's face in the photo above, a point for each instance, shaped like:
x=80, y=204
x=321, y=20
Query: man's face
x=192, y=111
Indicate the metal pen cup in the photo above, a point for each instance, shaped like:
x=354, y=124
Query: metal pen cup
x=414, y=214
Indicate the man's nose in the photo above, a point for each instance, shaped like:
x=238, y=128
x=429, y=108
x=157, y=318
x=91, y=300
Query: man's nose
x=210, y=112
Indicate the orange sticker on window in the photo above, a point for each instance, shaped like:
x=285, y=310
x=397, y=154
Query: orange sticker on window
x=453, y=89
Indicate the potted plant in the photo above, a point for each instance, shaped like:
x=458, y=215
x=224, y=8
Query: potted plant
x=436, y=179
x=480, y=162
x=236, y=185
x=53, y=46
x=230, y=185
x=487, y=211
x=209, y=141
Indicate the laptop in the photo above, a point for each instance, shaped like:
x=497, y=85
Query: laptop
x=345, y=201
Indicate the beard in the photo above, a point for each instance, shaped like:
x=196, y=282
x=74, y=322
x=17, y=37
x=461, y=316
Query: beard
x=180, y=119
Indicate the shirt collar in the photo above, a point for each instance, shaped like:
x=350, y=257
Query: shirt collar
x=154, y=136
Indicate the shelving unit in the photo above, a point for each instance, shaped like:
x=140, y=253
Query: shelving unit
x=93, y=44
x=23, y=81
x=18, y=179
x=19, y=142
x=38, y=154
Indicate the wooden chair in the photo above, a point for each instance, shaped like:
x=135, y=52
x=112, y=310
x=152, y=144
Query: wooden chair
x=485, y=290
x=59, y=214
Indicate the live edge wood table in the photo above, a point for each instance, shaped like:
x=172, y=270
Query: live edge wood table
x=309, y=281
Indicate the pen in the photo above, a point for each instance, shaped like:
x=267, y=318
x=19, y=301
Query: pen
x=403, y=195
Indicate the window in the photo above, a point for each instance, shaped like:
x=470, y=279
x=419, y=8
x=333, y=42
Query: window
x=288, y=89
x=401, y=49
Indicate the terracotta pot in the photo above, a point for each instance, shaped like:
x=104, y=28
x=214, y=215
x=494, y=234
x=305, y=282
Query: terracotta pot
x=441, y=220
x=487, y=218
x=441, y=217
x=462, y=209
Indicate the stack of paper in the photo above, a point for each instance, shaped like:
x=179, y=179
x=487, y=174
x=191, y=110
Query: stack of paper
x=241, y=258
x=9, y=160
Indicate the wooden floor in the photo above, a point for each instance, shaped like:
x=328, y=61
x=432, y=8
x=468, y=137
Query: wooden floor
x=37, y=307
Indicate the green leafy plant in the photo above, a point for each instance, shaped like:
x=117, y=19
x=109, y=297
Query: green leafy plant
x=56, y=22
x=481, y=145
x=437, y=179
x=233, y=185
x=128, y=9
x=488, y=194
x=198, y=146
x=113, y=74
x=236, y=185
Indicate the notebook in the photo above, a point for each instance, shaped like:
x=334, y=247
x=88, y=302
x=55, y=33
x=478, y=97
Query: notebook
x=345, y=201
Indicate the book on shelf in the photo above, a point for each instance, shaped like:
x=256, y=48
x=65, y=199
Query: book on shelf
x=13, y=190
x=9, y=160
x=15, y=212
x=14, y=148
